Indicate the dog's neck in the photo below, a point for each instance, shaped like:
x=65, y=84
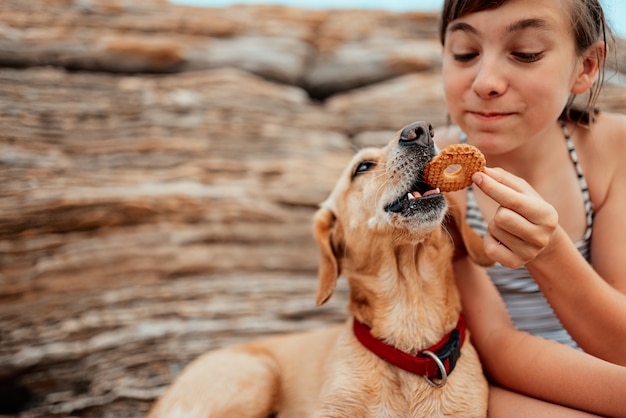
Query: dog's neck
x=411, y=302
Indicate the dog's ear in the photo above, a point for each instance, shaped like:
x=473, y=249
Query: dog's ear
x=466, y=240
x=329, y=264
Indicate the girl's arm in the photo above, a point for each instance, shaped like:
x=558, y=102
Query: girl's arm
x=589, y=301
x=532, y=365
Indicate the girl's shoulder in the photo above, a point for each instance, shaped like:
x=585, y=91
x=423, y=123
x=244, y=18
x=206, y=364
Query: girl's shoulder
x=609, y=130
x=602, y=153
x=603, y=138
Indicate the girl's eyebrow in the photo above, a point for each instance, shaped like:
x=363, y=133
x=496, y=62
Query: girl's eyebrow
x=462, y=27
x=535, y=23
x=513, y=27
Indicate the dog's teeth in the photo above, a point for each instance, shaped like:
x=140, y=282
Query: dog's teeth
x=433, y=191
x=410, y=196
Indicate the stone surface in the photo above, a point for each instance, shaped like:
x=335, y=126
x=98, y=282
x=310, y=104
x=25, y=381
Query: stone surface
x=159, y=169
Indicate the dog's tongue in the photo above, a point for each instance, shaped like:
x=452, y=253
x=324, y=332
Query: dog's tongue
x=417, y=194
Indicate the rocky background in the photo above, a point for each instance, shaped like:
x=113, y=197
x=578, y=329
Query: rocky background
x=159, y=169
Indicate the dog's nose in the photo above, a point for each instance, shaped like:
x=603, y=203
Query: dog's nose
x=417, y=133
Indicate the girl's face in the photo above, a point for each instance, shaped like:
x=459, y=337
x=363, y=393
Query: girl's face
x=508, y=72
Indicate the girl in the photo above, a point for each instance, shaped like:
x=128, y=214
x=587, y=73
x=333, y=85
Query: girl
x=552, y=214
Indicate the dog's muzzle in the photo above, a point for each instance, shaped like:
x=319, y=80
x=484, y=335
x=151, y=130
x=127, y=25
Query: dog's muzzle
x=414, y=149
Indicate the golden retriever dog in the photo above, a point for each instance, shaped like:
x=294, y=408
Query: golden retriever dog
x=404, y=352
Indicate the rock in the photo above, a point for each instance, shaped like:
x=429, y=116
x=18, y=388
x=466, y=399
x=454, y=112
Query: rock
x=160, y=166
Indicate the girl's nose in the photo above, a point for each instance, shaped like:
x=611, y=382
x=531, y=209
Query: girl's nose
x=490, y=81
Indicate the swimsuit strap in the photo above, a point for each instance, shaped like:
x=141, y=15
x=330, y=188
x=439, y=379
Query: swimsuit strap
x=581, y=180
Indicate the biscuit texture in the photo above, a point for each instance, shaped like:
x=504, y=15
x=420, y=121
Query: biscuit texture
x=452, y=169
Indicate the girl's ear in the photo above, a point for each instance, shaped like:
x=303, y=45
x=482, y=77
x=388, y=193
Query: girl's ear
x=592, y=61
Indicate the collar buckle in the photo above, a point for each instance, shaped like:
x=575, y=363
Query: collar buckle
x=445, y=360
x=442, y=370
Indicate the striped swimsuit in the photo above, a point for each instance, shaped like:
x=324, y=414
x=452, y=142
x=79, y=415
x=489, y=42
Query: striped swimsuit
x=527, y=306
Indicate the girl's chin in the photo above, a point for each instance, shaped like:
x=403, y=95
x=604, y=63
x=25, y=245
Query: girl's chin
x=488, y=130
x=490, y=142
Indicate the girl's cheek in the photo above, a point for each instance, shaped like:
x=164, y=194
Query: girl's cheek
x=454, y=85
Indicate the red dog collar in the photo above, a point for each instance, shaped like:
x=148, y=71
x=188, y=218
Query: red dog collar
x=435, y=362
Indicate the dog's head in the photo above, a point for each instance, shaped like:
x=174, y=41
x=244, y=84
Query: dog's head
x=380, y=204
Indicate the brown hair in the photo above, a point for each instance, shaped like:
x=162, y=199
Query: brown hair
x=588, y=25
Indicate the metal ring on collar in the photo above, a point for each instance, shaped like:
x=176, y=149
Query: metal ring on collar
x=442, y=369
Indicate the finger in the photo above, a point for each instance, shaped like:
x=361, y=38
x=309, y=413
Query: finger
x=503, y=187
x=520, y=251
x=499, y=192
x=516, y=194
x=498, y=251
x=515, y=225
x=508, y=179
x=522, y=237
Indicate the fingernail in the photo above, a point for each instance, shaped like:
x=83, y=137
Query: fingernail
x=477, y=178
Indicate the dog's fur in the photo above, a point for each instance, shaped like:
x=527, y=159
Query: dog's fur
x=398, y=262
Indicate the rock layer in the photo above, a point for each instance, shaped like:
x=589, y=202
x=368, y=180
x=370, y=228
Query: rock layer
x=159, y=169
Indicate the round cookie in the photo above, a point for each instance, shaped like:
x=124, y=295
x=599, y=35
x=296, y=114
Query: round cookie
x=452, y=169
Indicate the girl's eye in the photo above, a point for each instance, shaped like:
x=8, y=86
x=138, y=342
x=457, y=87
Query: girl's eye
x=465, y=57
x=527, y=56
x=363, y=167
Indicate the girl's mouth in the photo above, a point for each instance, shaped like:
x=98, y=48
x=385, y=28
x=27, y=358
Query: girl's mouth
x=490, y=116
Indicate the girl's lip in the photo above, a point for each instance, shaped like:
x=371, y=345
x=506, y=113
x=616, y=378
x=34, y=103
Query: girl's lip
x=490, y=115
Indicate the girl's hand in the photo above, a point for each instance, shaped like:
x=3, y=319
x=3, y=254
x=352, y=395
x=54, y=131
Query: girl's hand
x=523, y=224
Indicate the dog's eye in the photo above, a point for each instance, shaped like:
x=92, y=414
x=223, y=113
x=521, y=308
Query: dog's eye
x=363, y=167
